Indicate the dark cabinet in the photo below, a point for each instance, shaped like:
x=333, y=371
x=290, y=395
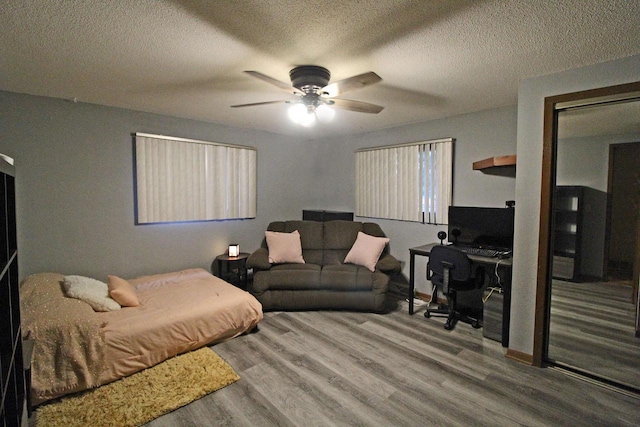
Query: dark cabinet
x=311, y=215
x=14, y=391
x=579, y=229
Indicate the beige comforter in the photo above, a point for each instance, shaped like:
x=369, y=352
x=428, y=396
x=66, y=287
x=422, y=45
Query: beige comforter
x=76, y=348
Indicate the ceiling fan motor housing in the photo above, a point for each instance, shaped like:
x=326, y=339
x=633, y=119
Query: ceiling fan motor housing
x=309, y=76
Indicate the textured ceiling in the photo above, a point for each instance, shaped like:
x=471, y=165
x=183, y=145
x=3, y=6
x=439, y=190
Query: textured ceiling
x=185, y=58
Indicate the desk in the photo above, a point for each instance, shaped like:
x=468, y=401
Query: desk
x=493, y=265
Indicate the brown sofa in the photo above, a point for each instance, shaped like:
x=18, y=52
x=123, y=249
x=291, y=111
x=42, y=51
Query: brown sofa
x=324, y=281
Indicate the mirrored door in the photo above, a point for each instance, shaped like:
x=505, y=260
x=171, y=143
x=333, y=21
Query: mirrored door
x=594, y=241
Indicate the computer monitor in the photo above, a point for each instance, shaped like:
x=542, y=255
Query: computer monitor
x=481, y=227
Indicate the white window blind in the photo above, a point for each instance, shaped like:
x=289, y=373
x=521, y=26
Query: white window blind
x=188, y=180
x=410, y=182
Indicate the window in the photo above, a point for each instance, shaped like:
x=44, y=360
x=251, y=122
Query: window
x=187, y=180
x=410, y=182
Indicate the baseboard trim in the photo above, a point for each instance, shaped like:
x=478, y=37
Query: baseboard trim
x=427, y=297
x=423, y=296
x=519, y=356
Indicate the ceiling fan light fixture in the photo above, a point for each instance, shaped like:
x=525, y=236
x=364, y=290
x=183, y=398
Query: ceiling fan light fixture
x=300, y=114
x=308, y=120
x=296, y=111
x=324, y=113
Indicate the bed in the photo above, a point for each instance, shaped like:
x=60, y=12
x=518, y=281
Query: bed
x=77, y=348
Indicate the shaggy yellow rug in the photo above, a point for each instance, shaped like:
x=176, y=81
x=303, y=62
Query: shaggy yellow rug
x=143, y=396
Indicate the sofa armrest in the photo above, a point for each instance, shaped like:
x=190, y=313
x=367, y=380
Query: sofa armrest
x=259, y=259
x=388, y=264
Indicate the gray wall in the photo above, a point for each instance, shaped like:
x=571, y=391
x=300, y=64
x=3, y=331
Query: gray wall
x=75, y=184
x=585, y=161
x=477, y=136
x=75, y=189
x=531, y=96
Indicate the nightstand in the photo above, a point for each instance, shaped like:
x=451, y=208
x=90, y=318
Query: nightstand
x=233, y=269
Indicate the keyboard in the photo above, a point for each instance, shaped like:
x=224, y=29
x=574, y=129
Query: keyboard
x=479, y=251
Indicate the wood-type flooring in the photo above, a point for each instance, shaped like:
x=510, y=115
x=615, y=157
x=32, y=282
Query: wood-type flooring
x=329, y=368
x=592, y=329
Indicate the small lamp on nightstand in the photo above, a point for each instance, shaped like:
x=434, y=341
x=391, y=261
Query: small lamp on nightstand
x=234, y=249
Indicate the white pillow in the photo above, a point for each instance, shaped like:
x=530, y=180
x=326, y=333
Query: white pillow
x=366, y=251
x=92, y=291
x=284, y=247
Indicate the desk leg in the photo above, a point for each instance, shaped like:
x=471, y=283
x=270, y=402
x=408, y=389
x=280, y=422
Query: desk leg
x=412, y=283
x=506, y=315
x=506, y=274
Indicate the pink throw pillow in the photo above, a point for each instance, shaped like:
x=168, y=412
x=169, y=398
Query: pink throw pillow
x=284, y=247
x=122, y=291
x=366, y=250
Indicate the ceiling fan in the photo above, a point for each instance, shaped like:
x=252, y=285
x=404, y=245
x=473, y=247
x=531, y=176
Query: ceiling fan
x=311, y=84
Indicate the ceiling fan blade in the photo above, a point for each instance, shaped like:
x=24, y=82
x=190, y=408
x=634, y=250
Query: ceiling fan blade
x=260, y=103
x=360, y=107
x=351, y=83
x=276, y=83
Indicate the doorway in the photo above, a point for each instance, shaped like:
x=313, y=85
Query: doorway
x=623, y=256
x=579, y=305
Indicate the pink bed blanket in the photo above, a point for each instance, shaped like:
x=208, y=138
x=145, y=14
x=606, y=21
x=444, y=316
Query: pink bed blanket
x=76, y=348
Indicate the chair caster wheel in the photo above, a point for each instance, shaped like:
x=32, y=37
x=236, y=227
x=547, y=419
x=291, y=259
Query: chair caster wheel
x=427, y=314
x=448, y=326
x=476, y=324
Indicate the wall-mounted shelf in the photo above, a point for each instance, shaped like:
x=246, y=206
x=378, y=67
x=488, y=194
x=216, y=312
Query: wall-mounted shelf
x=495, y=162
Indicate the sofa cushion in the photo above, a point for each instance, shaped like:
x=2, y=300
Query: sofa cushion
x=284, y=247
x=346, y=277
x=310, y=237
x=288, y=277
x=339, y=236
x=259, y=259
x=323, y=299
x=366, y=251
x=388, y=263
x=372, y=229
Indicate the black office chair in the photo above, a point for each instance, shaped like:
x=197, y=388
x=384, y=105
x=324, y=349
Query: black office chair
x=450, y=270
